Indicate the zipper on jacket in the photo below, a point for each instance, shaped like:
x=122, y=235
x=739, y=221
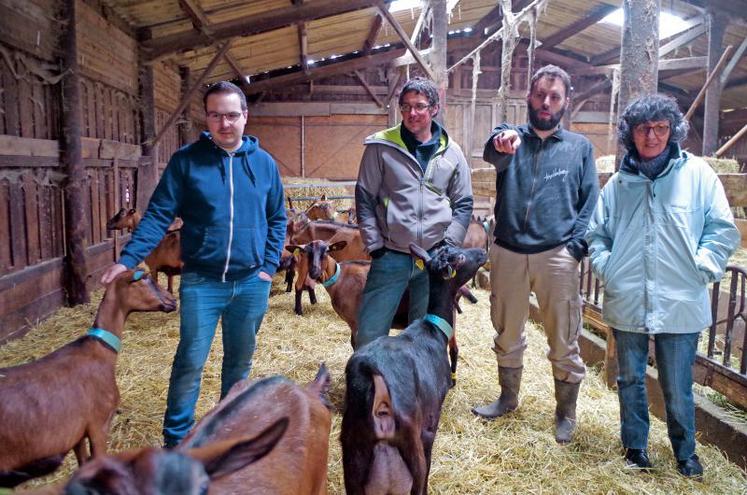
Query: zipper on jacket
x=230, y=217
x=534, y=184
x=420, y=213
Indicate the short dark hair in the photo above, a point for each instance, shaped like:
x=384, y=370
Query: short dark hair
x=552, y=72
x=647, y=109
x=421, y=86
x=225, y=87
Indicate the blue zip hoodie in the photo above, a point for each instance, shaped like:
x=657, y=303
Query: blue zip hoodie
x=232, y=205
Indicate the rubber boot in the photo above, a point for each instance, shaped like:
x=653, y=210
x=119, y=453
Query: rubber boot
x=510, y=381
x=566, y=395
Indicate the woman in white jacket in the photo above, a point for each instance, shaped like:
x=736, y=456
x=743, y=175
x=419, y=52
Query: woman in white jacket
x=661, y=232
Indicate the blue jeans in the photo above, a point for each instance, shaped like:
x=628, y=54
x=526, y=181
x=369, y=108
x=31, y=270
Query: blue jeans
x=387, y=280
x=675, y=355
x=240, y=305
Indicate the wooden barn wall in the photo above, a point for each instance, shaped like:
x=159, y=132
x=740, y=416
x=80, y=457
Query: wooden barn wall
x=168, y=92
x=32, y=243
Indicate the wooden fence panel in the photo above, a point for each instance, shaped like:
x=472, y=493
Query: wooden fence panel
x=6, y=256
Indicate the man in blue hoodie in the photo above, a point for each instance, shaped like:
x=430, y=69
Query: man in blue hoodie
x=228, y=192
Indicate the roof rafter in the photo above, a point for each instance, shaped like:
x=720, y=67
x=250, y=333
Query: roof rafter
x=589, y=19
x=165, y=46
x=202, y=23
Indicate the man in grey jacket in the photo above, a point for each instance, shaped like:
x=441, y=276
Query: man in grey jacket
x=546, y=190
x=414, y=185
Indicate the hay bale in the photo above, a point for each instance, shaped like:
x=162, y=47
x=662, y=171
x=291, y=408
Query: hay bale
x=309, y=188
x=514, y=454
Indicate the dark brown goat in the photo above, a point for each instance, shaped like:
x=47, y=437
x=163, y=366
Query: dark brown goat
x=166, y=257
x=288, y=430
x=53, y=405
x=396, y=386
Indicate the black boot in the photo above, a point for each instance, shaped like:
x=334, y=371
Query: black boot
x=637, y=459
x=566, y=395
x=510, y=381
x=691, y=467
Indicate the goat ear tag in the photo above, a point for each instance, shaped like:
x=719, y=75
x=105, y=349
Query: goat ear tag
x=296, y=252
x=419, y=263
x=137, y=275
x=452, y=272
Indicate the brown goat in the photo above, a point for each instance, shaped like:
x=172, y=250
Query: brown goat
x=54, y=404
x=321, y=210
x=347, y=216
x=287, y=427
x=166, y=257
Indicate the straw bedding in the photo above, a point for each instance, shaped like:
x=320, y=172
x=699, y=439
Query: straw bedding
x=514, y=454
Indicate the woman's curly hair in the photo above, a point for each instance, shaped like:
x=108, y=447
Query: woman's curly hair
x=647, y=109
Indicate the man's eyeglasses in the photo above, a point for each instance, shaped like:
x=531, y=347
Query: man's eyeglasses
x=660, y=130
x=419, y=108
x=231, y=117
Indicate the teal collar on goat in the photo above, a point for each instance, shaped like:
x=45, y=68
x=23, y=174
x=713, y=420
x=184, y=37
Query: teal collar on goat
x=106, y=337
x=331, y=280
x=440, y=323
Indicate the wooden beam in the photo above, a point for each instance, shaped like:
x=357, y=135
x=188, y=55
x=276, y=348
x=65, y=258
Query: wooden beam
x=727, y=146
x=717, y=24
x=704, y=90
x=438, y=56
x=303, y=47
x=639, y=55
x=683, y=39
x=74, y=190
x=342, y=67
x=589, y=19
x=188, y=97
x=683, y=63
x=368, y=89
x=614, y=53
x=733, y=62
x=163, y=46
x=734, y=9
x=373, y=33
x=484, y=42
x=201, y=22
x=384, y=12
x=735, y=83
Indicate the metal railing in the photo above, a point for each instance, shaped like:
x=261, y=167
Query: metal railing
x=720, y=362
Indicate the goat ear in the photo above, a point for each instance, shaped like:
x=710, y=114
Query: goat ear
x=132, y=211
x=321, y=384
x=227, y=457
x=337, y=246
x=419, y=252
x=323, y=198
x=292, y=248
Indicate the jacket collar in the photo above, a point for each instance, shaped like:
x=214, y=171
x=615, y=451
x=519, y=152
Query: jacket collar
x=249, y=144
x=393, y=137
x=677, y=158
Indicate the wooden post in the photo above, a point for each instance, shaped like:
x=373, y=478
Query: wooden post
x=639, y=54
x=393, y=76
x=727, y=146
x=147, y=175
x=76, y=272
x=185, y=127
x=437, y=56
x=716, y=27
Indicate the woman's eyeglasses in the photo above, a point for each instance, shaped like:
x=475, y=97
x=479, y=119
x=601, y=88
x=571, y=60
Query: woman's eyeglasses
x=660, y=130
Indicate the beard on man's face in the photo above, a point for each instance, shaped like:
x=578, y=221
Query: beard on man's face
x=544, y=124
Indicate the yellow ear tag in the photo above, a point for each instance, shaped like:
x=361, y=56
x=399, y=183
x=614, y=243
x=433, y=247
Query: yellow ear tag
x=452, y=272
x=296, y=252
x=419, y=263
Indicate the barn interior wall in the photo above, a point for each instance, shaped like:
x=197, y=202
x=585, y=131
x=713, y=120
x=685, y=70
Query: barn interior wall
x=32, y=231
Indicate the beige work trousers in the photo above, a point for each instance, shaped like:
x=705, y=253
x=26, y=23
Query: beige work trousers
x=553, y=276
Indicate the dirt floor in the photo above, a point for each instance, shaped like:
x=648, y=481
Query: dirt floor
x=515, y=454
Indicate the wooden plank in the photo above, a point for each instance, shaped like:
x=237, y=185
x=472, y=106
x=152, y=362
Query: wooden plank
x=682, y=63
x=20, y=146
x=10, y=97
x=38, y=111
x=246, y=25
x=46, y=226
x=95, y=204
x=31, y=216
x=17, y=227
x=26, y=111
x=6, y=258
x=586, y=20
x=115, y=149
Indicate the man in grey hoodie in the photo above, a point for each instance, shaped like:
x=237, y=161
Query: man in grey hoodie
x=414, y=185
x=546, y=191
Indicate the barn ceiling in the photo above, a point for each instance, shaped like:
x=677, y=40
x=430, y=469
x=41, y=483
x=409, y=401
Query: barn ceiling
x=292, y=40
